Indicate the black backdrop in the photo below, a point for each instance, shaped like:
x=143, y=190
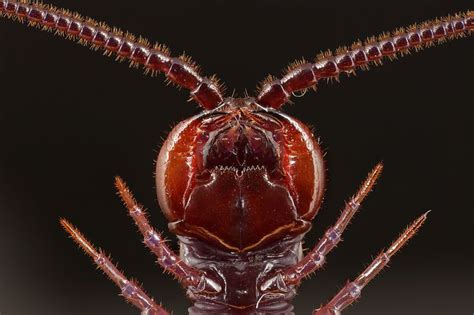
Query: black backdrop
x=71, y=119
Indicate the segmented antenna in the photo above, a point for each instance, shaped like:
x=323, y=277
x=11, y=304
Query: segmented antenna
x=303, y=75
x=207, y=92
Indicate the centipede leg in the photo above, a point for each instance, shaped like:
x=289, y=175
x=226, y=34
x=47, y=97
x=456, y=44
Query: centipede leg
x=129, y=289
x=317, y=256
x=352, y=290
x=187, y=275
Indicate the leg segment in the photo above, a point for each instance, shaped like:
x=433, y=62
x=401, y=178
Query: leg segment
x=352, y=290
x=316, y=257
x=130, y=290
x=189, y=276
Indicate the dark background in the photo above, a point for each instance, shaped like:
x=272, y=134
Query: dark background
x=71, y=119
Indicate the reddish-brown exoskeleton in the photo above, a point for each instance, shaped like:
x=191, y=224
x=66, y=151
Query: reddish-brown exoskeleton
x=241, y=181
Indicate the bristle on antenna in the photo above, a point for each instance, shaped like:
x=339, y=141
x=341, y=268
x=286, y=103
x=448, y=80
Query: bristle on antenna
x=182, y=71
x=328, y=65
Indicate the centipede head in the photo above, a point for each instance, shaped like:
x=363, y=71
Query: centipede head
x=241, y=176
